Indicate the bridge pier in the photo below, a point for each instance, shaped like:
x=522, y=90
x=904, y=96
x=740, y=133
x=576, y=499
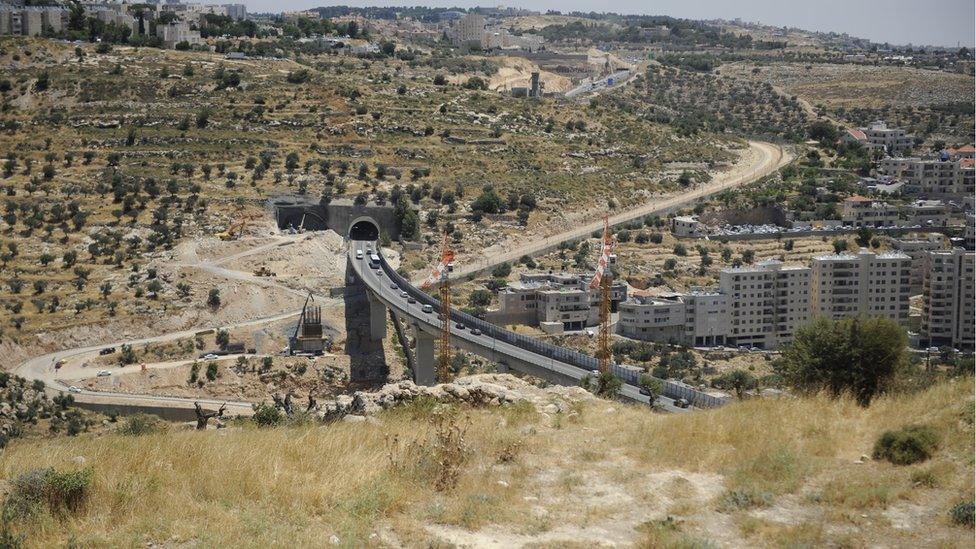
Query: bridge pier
x=377, y=318
x=424, y=370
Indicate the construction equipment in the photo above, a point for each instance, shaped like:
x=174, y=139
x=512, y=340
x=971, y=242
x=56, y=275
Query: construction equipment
x=441, y=274
x=601, y=279
x=234, y=230
x=263, y=270
x=308, y=338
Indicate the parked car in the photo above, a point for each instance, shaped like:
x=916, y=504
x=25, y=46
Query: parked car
x=103, y=373
x=107, y=351
x=210, y=356
x=681, y=402
x=73, y=389
x=427, y=309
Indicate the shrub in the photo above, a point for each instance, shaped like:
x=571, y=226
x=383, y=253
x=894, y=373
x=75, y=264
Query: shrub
x=962, y=513
x=910, y=444
x=735, y=500
x=141, y=424
x=266, y=415
x=65, y=491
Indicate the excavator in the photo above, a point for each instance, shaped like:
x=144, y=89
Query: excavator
x=234, y=230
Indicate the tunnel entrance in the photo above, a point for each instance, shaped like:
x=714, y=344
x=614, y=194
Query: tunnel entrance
x=307, y=220
x=364, y=229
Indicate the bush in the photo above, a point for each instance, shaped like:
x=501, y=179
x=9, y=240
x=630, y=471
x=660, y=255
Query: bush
x=735, y=500
x=65, y=491
x=910, y=444
x=962, y=513
x=266, y=415
x=502, y=271
x=141, y=424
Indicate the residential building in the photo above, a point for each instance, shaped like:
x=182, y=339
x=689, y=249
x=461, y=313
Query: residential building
x=469, y=31
x=768, y=301
x=659, y=32
x=948, y=299
x=562, y=298
x=866, y=283
x=697, y=318
x=864, y=212
x=918, y=248
x=683, y=226
x=928, y=213
x=895, y=141
x=31, y=20
x=177, y=32
x=932, y=177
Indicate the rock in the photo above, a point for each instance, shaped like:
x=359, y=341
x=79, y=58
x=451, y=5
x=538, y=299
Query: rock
x=550, y=409
x=353, y=419
x=78, y=460
x=334, y=540
x=503, y=484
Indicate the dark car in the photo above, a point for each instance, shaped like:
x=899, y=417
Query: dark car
x=681, y=402
x=459, y=326
x=644, y=391
x=476, y=332
x=107, y=351
x=393, y=286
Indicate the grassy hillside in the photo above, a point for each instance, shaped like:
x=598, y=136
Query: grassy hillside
x=759, y=473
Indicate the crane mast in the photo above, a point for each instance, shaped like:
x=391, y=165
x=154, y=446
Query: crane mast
x=441, y=275
x=601, y=280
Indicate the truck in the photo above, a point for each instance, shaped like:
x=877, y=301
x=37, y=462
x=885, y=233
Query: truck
x=374, y=261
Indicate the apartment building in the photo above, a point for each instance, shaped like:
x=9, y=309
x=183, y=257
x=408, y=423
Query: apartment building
x=879, y=136
x=767, y=302
x=469, y=31
x=697, y=318
x=948, y=297
x=176, y=32
x=561, y=298
x=932, y=177
x=860, y=211
x=918, y=248
x=31, y=20
x=866, y=283
x=928, y=213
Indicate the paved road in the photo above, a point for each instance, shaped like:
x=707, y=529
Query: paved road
x=771, y=158
x=388, y=292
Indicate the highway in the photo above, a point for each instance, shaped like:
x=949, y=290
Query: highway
x=388, y=291
x=771, y=158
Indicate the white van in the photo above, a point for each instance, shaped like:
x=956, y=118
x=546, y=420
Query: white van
x=359, y=254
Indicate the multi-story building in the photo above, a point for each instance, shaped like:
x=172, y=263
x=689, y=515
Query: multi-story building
x=848, y=285
x=686, y=226
x=561, y=298
x=918, y=249
x=177, y=32
x=110, y=14
x=948, y=299
x=932, y=177
x=767, y=302
x=698, y=318
x=31, y=20
x=469, y=31
x=864, y=212
x=895, y=141
x=928, y=213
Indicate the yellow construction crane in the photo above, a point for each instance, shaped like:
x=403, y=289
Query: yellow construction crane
x=601, y=280
x=441, y=275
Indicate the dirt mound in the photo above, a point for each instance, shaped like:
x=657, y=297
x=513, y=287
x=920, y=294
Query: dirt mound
x=516, y=72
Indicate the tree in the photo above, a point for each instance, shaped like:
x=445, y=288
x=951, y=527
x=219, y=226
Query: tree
x=222, y=338
x=651, y=385
x=213, y=298
x=822, y=131
x=211, y=371
x=440, y=80
x=738, y=380
x=204, y=417
x=861, y=356
x=502, y=271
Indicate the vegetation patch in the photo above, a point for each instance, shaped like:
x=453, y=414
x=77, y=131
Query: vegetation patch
x=910, y=444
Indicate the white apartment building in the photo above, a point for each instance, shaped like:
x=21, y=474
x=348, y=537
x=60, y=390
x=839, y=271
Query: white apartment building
x=931, y=176
x=848, y=285
x=562, y=298
x=698, y=318
x=30, y=20
x=878, y=135
x=918, y=249
x=767, y=302
x=948, y=297
x=860, y=211
x=928, y=213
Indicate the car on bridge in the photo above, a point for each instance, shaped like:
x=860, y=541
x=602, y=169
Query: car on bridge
x=475, y=332
x=404, y=295
x=682, y=402
x=427, y=309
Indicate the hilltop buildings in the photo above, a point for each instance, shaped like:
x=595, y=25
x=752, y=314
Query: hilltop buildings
x=31, y=20
x=553, y=301
x=948, y=299
x=878, y=135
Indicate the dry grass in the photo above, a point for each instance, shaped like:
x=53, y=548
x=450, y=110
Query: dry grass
x=596, y=470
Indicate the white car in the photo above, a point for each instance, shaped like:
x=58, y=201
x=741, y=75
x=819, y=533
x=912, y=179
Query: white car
x=210, y=356
x=104, y=373
x=73, y=389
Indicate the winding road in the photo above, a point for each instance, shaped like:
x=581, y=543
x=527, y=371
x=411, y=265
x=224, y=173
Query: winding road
x=770, y=158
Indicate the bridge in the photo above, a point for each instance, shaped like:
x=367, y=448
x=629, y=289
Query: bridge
x=387, y=290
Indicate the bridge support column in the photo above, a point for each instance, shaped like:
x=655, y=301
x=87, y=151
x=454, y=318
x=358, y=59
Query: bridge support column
x=423, y=373
x=377, y=318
